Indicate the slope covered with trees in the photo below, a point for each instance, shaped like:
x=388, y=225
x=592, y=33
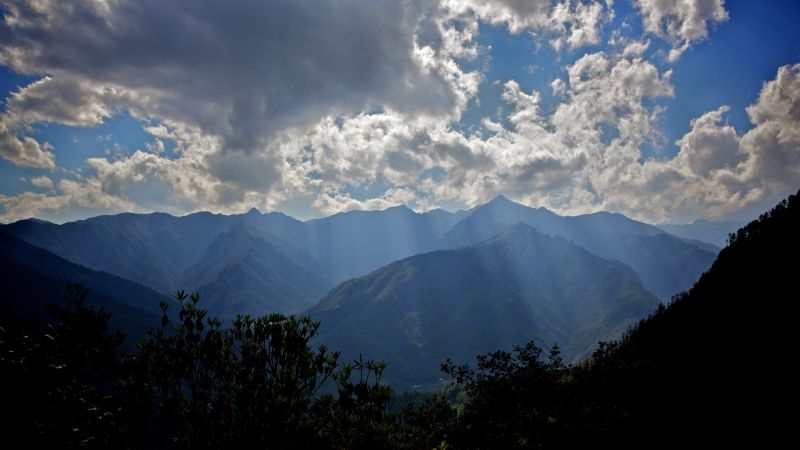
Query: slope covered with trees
x=519, y=285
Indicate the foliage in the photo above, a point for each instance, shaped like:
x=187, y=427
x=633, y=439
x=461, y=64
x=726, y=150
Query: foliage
x=514, y=399
x=56, y=381
x=255, y=383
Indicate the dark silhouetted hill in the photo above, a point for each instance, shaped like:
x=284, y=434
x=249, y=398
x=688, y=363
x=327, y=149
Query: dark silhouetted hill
x=32, y=278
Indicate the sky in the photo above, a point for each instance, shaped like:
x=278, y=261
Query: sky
x=666, y=111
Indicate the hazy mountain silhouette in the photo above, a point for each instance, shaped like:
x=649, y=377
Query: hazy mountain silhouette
x=703, y=230
x=149, y=248
x=666, y=264
x=245, y=269
x=517, y=286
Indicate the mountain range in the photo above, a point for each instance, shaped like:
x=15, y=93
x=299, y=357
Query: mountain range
x=397, y=284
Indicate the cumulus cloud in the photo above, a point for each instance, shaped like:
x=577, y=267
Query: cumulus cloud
x=710, y=144
x=681, y=22
x=718, y=171
x=773, y=145
x=24, y=151
x=42, y=181
x=568, y=23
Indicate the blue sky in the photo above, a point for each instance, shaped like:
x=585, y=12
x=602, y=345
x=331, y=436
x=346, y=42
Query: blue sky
x=363, y=105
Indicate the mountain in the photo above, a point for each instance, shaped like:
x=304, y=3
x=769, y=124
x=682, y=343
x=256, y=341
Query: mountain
x=356, y=242
x=666, y=264
x=247, y=270
x=33, y=277
x=703, y=230
x=717, y=359
x=148, y=248
x=516, y=286
x=167, y=253
x=152, y=249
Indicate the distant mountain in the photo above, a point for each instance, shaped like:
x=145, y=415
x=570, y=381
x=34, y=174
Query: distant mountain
x=33, y=277
x=703, y=230
x=247, y=270
x=155, y=249
x=666, y=264
x=717, y=359
x=517, y=286
x=167, y=253
x=356, y=242
x=148, y=248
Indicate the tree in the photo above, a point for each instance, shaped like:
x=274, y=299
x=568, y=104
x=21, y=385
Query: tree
x=196, y=384
x=58, y=382
x=514, y=400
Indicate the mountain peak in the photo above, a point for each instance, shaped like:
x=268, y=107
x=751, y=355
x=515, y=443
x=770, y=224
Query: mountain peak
x=253, y=212
x=399, y=208
x=501, y=199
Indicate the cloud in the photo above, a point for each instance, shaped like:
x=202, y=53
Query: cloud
x=24, y=151
x=42, y=182
x=773, y=145
x=237, y=69
x=681, y=22
x=718, y=172
x=710, y=145
x=568, y=23
x=64, y=100
x=74, y=200
x=274, y=104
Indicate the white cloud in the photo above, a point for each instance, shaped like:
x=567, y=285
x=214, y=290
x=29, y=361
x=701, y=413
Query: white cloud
x=710, y=145
x=24, y=151
x=558, y=86
x=681, y=22
x=773, y=145
x=719, y=172
x=567, y=23
x=635, y=49
x=74, y=200
x=156, y=146
x=42, y=182
x=64, y=100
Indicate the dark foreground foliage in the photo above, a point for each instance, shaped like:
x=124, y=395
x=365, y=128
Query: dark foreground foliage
x=196, y=384
x=710, y=370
